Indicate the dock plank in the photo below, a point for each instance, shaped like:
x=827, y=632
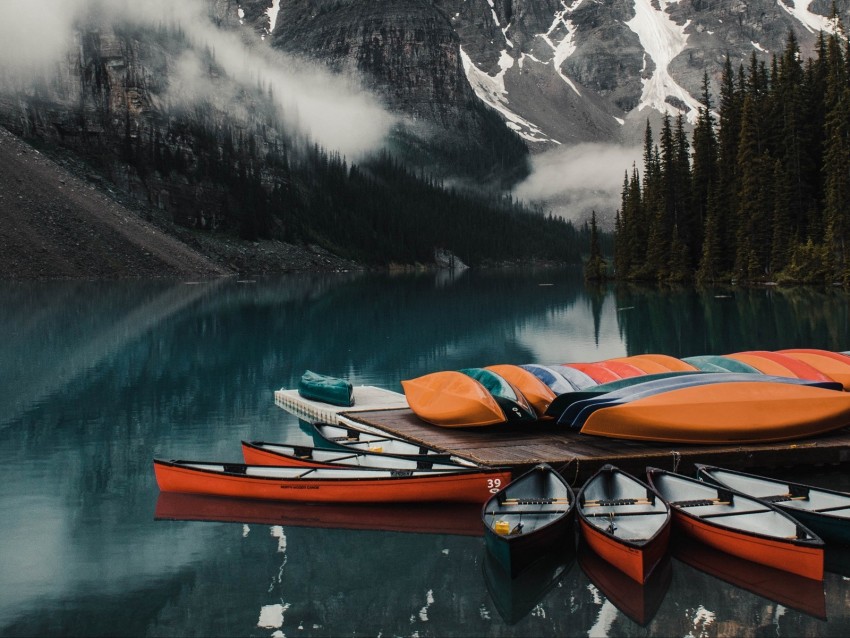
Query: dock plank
x=577, y=456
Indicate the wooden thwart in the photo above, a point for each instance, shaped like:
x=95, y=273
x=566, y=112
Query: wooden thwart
x=617, y=501
x=533, y=501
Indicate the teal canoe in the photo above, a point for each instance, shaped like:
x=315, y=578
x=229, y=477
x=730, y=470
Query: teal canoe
x=513, y=403
x=716, y=363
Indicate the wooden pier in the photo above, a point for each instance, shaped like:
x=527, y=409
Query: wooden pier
x=577, y=456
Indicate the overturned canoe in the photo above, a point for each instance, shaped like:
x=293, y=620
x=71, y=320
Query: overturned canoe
x=320, y=387
x=599, y=374
x=780, y=365
x=563, y=401
x=528, y=518
x=621, y=368
x=716, y=363
x=624, y=521
x=655, y=363
x=578, y=412
x=286, y=455
x=554, y=378
x=514, y=405
x=329, y=485
x=538, y=394
x=724, y=413
x=739, y=525
x=833, y=364
x=826, y=512
x=452, y=399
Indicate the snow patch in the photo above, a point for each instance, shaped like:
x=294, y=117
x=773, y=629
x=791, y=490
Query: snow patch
x=271, y=616
x=663, y=40
x=758, y=47
x=272, y=12
x=566, y=46
x=813, y=22
x=491, y=90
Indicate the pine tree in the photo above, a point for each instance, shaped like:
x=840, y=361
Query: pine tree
x=596, y=269
x=704, y=173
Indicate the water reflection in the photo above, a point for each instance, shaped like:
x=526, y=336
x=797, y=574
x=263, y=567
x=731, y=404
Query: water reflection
x=101, y=377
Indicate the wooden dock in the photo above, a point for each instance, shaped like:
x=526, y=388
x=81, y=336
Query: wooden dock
x=577, y=456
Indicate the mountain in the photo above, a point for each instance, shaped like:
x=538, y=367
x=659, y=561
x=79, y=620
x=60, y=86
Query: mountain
x=276, y=119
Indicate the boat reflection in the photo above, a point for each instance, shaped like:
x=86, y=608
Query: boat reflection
x=795, y=592
x=458, y=519
x=514, y=598
x=837, y=559
x=640, y=602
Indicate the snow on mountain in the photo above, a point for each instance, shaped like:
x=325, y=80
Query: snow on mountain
x=663, y=40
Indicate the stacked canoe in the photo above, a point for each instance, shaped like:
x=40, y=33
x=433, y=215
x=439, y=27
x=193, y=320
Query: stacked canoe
x=742, y=397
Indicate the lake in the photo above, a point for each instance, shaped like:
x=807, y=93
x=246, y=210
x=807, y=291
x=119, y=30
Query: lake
x=98, y=378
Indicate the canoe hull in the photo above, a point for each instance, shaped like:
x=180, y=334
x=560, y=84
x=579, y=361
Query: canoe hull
x=803, y=561
x=538, y=512
x=461, y=487
x=725, y=413
x=452, y=400
x=637, y=562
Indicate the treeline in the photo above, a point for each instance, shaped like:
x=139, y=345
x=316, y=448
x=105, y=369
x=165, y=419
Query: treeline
x=376, y=211
x=759, y=193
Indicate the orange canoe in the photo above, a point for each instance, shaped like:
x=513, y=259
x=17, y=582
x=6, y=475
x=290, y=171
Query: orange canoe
x=656, y=363
x=779, y=365
x=622, y=369
x=739, y=525
x=452, y=399
x=739, y=412
x=538, y=394
x=330, y=485
x=832, y=364
x=624, y=521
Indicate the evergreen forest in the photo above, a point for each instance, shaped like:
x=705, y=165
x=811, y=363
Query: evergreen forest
x=760, y=190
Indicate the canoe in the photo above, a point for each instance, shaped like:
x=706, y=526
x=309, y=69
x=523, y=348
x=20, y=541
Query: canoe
x=833, y=364
x=364, y=438
x=515, y=598
x=563, y=401
x=715, y=363
x=722, y=413
x=531, y=516
x=554, y=378
x=779, y=586
x=655, y=363
x=624, y=521
x=826, y=512
x=739, y=525
x=329, y=485
x=599, y=374
x=287, y=455
x=621, y=369
x=460, y=519
x=538, y=394
x=452, y=399
x=778, y=364
x=576, y=377
x=320, y=387
x=638, y=601
x=576, y=414
x=514, y=405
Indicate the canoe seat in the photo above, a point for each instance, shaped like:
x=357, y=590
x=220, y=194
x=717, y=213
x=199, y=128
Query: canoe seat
x=532, y=501
x=735, y=513
x=512, y=512
x=618, y=514
x=700, y=502
x=618, y=501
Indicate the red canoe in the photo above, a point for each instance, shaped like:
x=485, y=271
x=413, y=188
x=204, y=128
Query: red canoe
x=330, y=485
x=832, y=364
x=600, y=374
x=624, y=521
x=739, y=525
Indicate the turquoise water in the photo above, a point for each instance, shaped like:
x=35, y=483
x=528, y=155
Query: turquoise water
x=98, y=378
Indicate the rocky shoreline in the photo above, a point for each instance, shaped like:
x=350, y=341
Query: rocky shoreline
x=58, y=221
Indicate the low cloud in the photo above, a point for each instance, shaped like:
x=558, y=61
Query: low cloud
x=332, y=109
x=571, y=182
